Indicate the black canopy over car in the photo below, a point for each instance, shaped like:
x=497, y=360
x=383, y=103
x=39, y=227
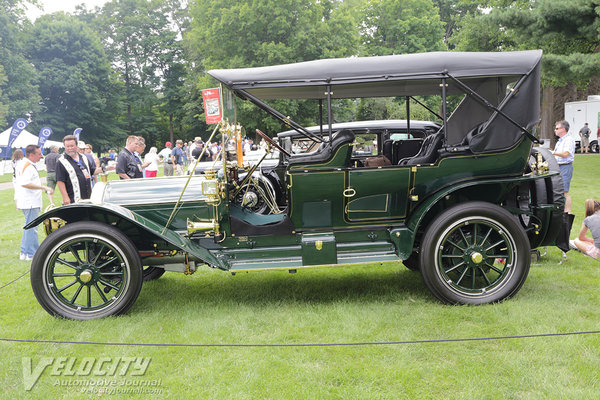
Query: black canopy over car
x=504, y=88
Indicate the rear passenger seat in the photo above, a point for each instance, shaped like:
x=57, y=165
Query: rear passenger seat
x=396, y=150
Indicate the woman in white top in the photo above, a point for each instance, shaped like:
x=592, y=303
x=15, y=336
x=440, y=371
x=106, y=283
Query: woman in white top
x=152, y=158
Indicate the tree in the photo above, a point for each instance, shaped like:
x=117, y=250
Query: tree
x=143, y=48
x=400, y=27
x=566, y=30
x=3, y=106
x=18, y=92
x=74, y=79
x=452, y=12
x=234, y=33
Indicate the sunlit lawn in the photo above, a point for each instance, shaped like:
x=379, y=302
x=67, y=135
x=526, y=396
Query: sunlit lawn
x=370, y=303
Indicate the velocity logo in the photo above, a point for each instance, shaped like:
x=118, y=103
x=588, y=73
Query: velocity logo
x=95, y=367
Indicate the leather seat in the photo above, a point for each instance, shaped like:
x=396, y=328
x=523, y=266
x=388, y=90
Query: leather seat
x=323, y=153
x=428, y=153
x=406, y=148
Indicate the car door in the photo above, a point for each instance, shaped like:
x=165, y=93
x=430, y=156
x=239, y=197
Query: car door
x=376, y=193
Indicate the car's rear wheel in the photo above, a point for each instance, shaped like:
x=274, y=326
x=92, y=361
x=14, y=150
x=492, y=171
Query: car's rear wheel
x=86, y=270
x=475, y=253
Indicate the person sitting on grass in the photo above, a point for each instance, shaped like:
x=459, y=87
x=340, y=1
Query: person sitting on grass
x=587, y=245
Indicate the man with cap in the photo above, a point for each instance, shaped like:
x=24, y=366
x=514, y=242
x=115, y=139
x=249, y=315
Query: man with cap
x=584, y=134
x=82, y=149
x=177, y=157
x=197, y=152
x=165, y=157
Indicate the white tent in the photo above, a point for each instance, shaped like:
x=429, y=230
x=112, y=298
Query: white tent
x=24, y=139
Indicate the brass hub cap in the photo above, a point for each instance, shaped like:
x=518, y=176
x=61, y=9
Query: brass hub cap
x=85, y=276
x=476, y=257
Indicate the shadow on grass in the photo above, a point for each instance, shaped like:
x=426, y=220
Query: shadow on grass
x=274, y=288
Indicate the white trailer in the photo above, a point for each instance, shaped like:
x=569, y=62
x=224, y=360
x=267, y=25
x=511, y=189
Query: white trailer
x=577, y=113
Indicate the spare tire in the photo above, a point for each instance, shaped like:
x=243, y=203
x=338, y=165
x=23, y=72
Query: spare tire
x=554, y=194
x=542, y=226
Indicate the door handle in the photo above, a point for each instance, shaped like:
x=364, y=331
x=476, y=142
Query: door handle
x=349, y=192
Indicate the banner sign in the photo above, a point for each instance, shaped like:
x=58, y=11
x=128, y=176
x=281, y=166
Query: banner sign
x=45, y=133
x=212, y=105
x=76, y=133
x=16, y=130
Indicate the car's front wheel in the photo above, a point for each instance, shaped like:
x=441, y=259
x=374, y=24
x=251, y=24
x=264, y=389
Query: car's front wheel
x=86, y=270
x=475, y=253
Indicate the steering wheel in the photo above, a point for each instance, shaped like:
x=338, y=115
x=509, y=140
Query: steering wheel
x=272, y=143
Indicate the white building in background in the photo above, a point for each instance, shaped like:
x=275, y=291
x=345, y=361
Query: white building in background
x=577, y=113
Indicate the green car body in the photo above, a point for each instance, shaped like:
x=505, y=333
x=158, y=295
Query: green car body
x=467, y=217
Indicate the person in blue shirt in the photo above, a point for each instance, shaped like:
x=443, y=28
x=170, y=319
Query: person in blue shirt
x=177, y=157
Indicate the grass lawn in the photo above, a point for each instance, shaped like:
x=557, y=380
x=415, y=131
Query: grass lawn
x=370, y=303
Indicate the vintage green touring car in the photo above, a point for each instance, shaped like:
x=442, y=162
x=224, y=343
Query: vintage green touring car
x=465, y=209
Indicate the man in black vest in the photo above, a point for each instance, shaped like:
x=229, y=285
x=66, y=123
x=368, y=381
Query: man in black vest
x=73, y=175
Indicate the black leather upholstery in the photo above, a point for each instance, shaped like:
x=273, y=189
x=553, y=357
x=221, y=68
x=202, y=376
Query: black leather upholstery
x=396, y=150
x=388, y=150
x=323, y=153
x=428, y=153
x=475, y=131
x=406, y=148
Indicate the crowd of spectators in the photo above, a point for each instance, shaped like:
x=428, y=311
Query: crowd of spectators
x=75, y=171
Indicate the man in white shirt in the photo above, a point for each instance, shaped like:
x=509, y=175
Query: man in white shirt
x=28, y=194
x=564, y=152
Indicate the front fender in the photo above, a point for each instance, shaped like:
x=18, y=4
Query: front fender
x=111, y=213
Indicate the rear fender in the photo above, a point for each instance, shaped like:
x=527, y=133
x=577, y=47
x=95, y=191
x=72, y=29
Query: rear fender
x=423, y=214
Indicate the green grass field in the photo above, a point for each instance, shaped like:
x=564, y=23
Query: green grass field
x=370, y=303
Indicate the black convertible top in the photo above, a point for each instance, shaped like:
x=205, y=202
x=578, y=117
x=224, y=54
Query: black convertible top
x=502, y=101
x=382, y=76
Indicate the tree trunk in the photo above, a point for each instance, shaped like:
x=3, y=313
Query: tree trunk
x=128, y=91
x=171, y=128
x=129, y=119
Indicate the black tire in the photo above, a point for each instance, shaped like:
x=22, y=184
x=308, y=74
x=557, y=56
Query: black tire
x=594, y=147
x=152, y=273
x=475, y=253
x=86, y=270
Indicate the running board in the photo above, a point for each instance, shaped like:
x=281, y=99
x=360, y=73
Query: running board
x=296, y=262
